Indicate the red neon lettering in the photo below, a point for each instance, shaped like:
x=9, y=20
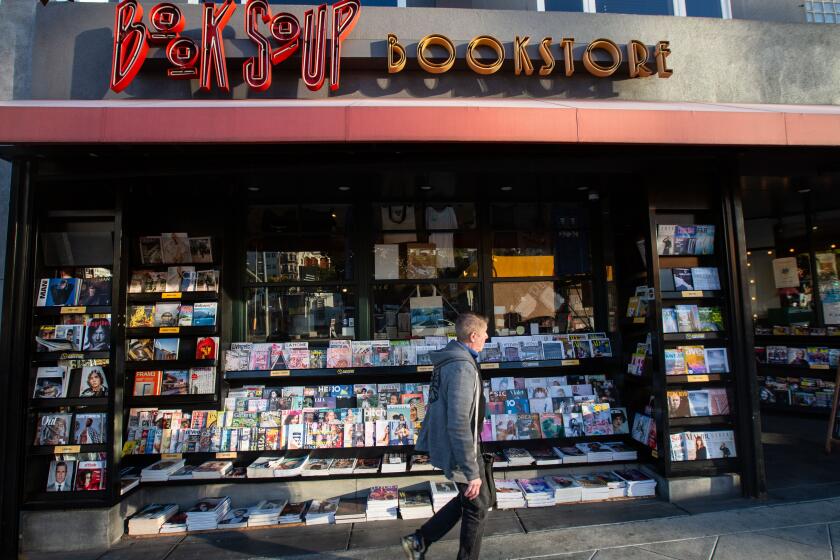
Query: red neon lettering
x=130, y=46
x=182, y=53
x=286, y=29
x=345, y=16
x=257, y=70
x=166, y=23
x=314, y=47
x=212, y=47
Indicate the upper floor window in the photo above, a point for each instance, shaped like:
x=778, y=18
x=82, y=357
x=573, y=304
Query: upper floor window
x=564, y=5
x=642, y=7
x=704, y=8
x=822, y=12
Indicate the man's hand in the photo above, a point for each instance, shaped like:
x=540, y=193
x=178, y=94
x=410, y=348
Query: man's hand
x=473, y=487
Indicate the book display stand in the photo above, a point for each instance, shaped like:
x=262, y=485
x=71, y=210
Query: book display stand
x=832, y=435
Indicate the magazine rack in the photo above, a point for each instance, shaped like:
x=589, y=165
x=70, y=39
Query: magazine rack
x=832, y=435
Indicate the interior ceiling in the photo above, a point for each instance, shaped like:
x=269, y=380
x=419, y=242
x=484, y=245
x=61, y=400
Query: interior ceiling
x=779, y=196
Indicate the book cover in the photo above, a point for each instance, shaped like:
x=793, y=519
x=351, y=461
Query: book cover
x=583, y=348
x=682, y=279
x=666, y=280
x=92, y=382
x=601, y=347
x=175, y=248
x=147, y=383
x=596, y=419
x=553, y=350
x=698, y=403
x=517, y=402
x=72, y=334
x=573, y=424
x=551, y=425
x=710, y=319
x=381, y=353
x=705, y=278
x=718, y=402
x=688, y=319
x=817, y=356
x=141, y=316
x=618, y=419
x=695, y=359
x=89, y=429
x=174, y=382
x=140, y=349
x=528, y=426
x=204, y=313
x=201, y=249
x=51, y=383
x=678, y=405
x=362, y=353
x=150, y=250
x=704, y=240
x=97, y=336
x=207, y=348
x=684, y=240
x=53, y=429
x=665, y=238
x=180, y=279
x=62, y=291
x=669, y=320
x=504, y=427
x=207, y=280
x=90, y=476
x=339, y=354
x=510, y=351
x=530, y=351
x=166, y=348
x=60, y=477
x=720, y=444
x=716, y=360
x=95, y=291
x=185, y=315
x=675, y=362
x=776, y=354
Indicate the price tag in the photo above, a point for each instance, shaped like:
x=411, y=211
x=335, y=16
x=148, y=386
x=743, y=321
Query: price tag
x=692, y=293
x=280, y=373
x=569, y=362
x=530, y=364
x=490, y=365
x=226, y=455
x=818, y=366
x=344, y=371
x=68, y=448
x=171, y=295
x=422, y=369
x=694, y=336
x=72, y=356
x=169, y=330
x=639, y=320
x=654, y=453
x=170, y=456
x=696, y=378
x=72, y=310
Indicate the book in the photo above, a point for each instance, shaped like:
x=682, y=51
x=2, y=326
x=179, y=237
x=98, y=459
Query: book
x=89, y=429
x=90, y=476
x=185, y=315
x=669, y=320
x=207, y=348
x=51, y=383
x=207, y=280
x=704, y=236
x=147, y=383
x=92, y=382
x=716, y=360
x=776, y=354
x=204, y=313
x=150, y=250
x=174, y=382
x=675, y=363
x=60, y=476
x=61, y=292
x=339, y=354
x=665, y=236
x=166, y=315
x=683, y=280
x=166, y=348
x=201, y=249
x=141, y=316
x=688, y=319
x=202, y=381
x=53, y=429
x=710, y=318
x=97, y=336
x=140, y=349
x=73, y=334
x=705, y=278
x=94, y=291
x=695, y=359
x=684, y=240
x=601, y=348
x=175, y=248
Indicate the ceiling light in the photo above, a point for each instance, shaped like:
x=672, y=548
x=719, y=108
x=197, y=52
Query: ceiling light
x=253, y=189
x=583, y=188
x=792, y=250
x=344, y=188
x=803, y=191
x=506, y=188
x=425, y=187
x=769, y=252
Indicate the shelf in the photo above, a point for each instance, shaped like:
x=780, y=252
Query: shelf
x=151, y=365
x=690, y=337
x=692, y=294
x=70, y=310
x=166, y=401
x=789, y=408
x=155, y=332
x=48, y=357
x=694, y=378
x=707, y=467
x=67, y=500
x=70, y=401
x=795, y=340
x=487, y=368
x=155, y=297
x=790, y=370
x=51, y=449
x=705, y=421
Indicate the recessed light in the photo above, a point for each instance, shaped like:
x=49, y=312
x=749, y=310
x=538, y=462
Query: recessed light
x=814, y=227
x=583, y=188
x=425, y=187
x=792, y=250
x=803, y=191
x=769, y=252
x=344, y=188
x=253, y=189
x=506, y=189
x=833, y=245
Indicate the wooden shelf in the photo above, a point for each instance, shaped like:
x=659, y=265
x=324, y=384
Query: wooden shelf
x=790, y=370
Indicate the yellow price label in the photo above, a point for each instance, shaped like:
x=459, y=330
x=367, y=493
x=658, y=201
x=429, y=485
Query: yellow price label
x=694, y=336
x=692, y=293
x=171, y=295
x=170, y=456
x=344, y=371
x=569, y=362
x=654, y=453
x=169, y=330
x=819, y=366
x=639, y=320
x=226, y=455
x=697, y=378
x=72, y=356
x=530, y=364
x=490, y=365
x=280, y=373
x=67, y=448
x=72, y=310
x=421, y=369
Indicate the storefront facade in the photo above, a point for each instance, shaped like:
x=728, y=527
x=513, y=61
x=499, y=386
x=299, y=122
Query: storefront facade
x=530, y=174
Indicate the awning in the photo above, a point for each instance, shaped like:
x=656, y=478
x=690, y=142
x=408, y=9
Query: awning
x=414, y=120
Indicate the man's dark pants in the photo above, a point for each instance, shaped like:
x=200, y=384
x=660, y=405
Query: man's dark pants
x=471, y=513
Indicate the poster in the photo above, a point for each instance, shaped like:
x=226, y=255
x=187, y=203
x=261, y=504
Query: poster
x=427, y=316
x=785, y=273
x=829, y=285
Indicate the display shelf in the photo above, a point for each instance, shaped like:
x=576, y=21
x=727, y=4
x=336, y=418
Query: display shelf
x=70, y=401
x=170, y=332
x=790, y=370
x=487, y=368
x=705, y=467
x=789, y=408
x=797, y=339
x=77, y=499
x=695, y=378
x=48, y=357
x=691, y=337
x=167, y=401
x=704, y=421
x=692, y=294
x=168, y=297
x=57, y=449
x=71, y=310
x=148, y=365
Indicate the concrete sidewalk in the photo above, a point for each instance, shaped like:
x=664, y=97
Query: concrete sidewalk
x=647, y=530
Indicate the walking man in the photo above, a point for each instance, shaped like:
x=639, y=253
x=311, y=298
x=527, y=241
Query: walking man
x=450, y=435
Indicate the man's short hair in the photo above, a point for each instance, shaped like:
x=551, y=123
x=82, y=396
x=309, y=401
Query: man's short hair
x=468, y=323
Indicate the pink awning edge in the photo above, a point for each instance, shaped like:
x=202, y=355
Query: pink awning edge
x=412, y=120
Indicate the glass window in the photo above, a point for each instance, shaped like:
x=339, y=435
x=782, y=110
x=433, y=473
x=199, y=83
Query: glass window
x=703, y=8
x=542, y=307
x=564, y=5
x=402, y=311
x=299, y=313
x=642, y=7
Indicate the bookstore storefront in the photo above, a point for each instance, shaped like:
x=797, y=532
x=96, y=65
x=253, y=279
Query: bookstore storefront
x=214, y=297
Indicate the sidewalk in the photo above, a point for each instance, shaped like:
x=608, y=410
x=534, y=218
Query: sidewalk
x=640, y=530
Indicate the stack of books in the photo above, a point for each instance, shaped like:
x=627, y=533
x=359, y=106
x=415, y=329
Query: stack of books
x=594, y=488
x=161, y=470
x=176, y=524
x=394, y=462
x=267, y=512
x=382, y=503
x=290, y=466
x=518, y=457
x=293, y=513
x=442, y=492
x=367, y=465
x=420, y=463
x=235, y=519
x=351, y=510
x=184, y=473
x=149, y=520
x=621, y=451
x=638, y=483
x=499, y=459
x=212, y=469
x=566, y=490
x=317, y=467
x=596, y=452
x=343, y=466
x=509, y=494
x=322, y=512
x=617, y=487
x=264, y=467
x=571, y=455
x=537, y=492
x=415, y=504
x=207, y=513
x=127, y=483
x=546, y=456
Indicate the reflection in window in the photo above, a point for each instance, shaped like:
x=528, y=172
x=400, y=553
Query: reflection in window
x=403, y=311
x=564, y=5
x=542, y=307
x=641, y=7
x=299, y=313
x=703, y=8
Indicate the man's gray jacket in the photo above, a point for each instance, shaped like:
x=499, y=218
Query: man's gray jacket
x=451, y=426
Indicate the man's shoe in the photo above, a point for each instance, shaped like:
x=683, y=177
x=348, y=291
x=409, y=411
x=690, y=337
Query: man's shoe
x=413, y=547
